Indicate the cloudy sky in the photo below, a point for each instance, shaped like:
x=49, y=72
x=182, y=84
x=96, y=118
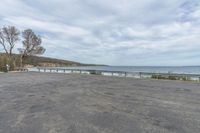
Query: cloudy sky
x=113, y=32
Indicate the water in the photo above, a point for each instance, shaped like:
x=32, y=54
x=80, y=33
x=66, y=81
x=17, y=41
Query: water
x=153, y=69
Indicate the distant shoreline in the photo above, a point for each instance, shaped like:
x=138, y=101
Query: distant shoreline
x=151, y=69
x=119, y=73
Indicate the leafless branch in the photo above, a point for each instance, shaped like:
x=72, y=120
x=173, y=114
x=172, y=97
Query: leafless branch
x=31, y=44
x=8, y=37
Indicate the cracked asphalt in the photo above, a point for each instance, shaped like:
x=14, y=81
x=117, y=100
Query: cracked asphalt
x=72, y=103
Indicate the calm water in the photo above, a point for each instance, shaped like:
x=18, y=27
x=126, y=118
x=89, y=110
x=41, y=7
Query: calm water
x=186, y=69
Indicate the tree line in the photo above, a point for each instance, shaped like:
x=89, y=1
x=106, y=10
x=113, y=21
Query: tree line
x=31, y=45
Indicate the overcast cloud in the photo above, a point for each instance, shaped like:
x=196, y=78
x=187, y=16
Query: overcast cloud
x=113, y=32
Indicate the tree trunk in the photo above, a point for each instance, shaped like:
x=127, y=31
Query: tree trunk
x=11, y=62
x=21, y=61
x=8, y=62
x=14, y=63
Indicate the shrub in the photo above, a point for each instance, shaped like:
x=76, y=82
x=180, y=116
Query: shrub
x=95, y=72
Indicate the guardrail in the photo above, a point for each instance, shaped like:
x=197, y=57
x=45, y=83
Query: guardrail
x=64, y=70
x=21, y=69
x=170, y=76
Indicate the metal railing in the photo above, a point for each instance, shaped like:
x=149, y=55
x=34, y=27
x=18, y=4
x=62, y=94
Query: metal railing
x=172, y=76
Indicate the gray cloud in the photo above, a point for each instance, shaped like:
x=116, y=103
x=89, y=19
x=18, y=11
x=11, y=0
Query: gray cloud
x=114, y=32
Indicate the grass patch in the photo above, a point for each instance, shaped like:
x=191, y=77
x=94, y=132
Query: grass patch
x=170, y=77
x=95, y=73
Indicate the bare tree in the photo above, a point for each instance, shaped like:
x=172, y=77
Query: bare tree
x=31, y=45
x=8, y=37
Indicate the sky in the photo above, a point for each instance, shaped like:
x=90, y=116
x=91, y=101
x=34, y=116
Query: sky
x=111, y=32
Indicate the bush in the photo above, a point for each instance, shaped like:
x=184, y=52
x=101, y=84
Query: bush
x=158, y=77
x=95, y=72
x=3, y=69
x=164, y=77
x=172, y=78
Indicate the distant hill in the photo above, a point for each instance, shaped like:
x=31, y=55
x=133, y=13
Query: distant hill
x=50, y=62
x=34, y=61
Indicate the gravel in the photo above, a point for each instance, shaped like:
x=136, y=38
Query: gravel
x=72, y=103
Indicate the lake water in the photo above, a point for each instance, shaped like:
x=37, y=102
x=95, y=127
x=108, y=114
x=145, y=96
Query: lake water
x=154, y=69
